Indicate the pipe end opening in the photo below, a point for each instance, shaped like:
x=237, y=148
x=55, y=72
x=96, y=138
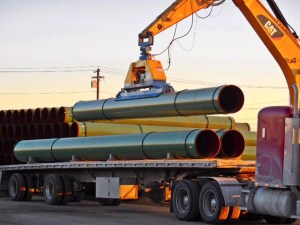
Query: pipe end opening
x=207, y=143
x=233, y=144
x=231, y=98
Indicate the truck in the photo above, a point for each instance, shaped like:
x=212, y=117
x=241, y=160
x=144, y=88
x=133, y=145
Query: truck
x=213, y=190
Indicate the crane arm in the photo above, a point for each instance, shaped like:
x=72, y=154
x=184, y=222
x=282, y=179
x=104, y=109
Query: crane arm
x=176, y=12
x=274, y=31
x=280, y=41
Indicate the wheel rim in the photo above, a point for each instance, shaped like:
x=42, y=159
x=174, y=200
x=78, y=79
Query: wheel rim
x=49, y=190
x=210, y=203
x=13, y=188
x=182, y=201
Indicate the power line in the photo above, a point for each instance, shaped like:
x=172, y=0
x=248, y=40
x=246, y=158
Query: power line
x=44, y=71
x=119, y=72
x=282, y=100
x=186, y=81
x=58, y=69
x=51, y=93
x=47, y=67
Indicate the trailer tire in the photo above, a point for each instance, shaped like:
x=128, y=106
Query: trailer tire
x=116, y=202
x=211, y=204
x=17, y=187
x=29, y=189
x=279, y=220
x=109, y=201
x=77, y=196
x=53, y=189
x=185, y=199
x=67, y=190
x=200, y=183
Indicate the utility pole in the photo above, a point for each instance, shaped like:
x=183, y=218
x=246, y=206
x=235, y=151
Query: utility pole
x=97, y=85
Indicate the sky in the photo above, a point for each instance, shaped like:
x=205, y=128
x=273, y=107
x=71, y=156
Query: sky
x=49, y=50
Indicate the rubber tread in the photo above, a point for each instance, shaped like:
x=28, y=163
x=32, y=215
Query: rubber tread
x=20, y=182
x=57, y=184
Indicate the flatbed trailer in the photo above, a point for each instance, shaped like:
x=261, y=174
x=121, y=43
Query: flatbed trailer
x=115, y=180
x=172, y=169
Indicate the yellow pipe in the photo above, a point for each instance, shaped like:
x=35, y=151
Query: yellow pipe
x=86, y=129
x=250, y=137
x=242, y=127
x=203, y=121
x=200, y=121
x=65, y=115
x=249, y=153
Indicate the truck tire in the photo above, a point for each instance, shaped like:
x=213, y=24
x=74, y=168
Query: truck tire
x=17, y=187
x=211, y=203
x=109, y=201
x=53, y=189
x=185, y=199
x=67, y=190
x=279, y=220
x=29, y=189
x=247, y=216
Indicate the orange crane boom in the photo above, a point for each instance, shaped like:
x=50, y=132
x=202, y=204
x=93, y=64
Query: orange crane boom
x=274, y=31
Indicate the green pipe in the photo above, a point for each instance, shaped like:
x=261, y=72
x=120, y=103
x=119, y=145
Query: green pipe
x=38, y=150
x=224, y=99
x=232, y=141
x=183, y=144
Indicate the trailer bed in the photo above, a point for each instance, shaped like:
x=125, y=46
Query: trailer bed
x=195, y=164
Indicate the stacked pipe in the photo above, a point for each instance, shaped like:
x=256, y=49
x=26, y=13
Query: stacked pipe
x=139, y=141
x=29, y=124
x=172, y=124
x=250, y=145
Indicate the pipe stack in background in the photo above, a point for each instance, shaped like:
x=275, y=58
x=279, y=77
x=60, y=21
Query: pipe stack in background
x=31, y=124
x=121, y=129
